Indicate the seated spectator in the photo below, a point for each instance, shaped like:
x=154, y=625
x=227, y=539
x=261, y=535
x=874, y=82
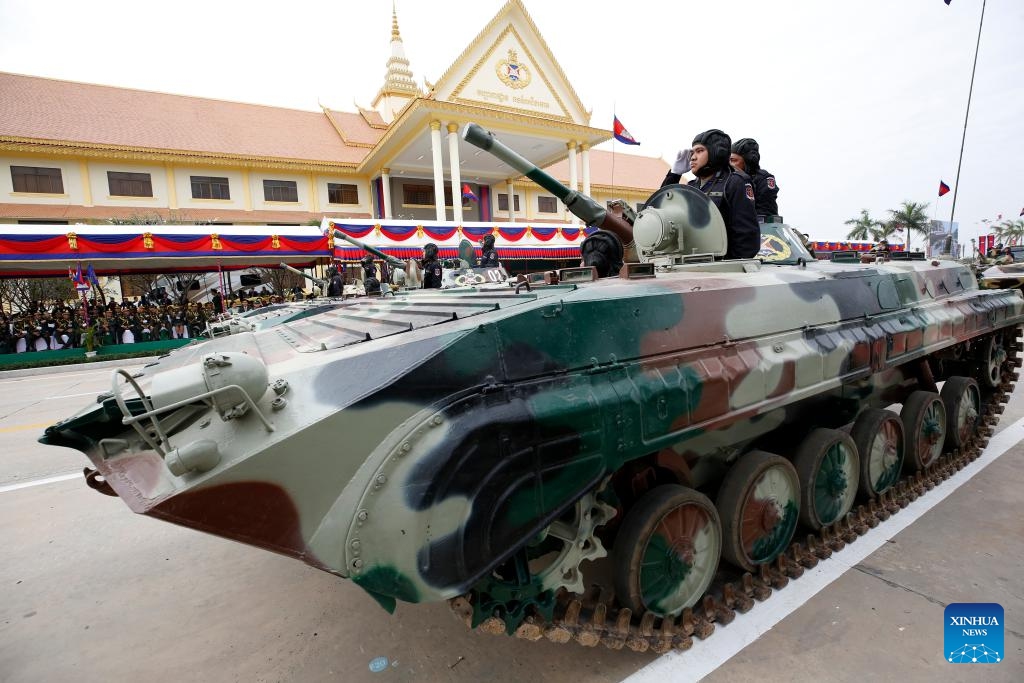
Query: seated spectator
x=39, y=340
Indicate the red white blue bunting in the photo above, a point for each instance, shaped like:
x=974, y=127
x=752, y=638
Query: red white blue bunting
x=405, y=239
x=51, y=250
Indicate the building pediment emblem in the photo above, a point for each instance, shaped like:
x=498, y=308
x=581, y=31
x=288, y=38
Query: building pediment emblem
x=513, y=73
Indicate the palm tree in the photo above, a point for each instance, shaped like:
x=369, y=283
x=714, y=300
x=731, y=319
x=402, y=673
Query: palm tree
x=865, y=226
x=911, y=217
x=1010, y=231
x=881, y=232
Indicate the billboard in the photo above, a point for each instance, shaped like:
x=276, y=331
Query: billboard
x=943, y=238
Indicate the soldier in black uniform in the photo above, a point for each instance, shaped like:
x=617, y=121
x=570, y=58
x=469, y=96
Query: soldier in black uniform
x=370, y=282
x=431, y=267
x=746, y=157
x=489, y=255
x=335, y=285
x=734, y=197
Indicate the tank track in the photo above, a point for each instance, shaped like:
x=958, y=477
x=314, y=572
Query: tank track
x=594, y=617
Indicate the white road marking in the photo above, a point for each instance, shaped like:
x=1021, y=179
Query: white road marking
x=56, y=376
x=60, y=376
x=86, y=393
x=703, y=658
x=40, y=482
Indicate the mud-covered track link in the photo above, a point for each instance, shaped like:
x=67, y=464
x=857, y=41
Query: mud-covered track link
x=595, y=617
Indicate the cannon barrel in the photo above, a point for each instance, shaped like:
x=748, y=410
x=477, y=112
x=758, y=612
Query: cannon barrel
x=390, y=260
x=582, y=206
x=317, y=281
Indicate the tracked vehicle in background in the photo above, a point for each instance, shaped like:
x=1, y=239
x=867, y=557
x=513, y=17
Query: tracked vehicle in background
x=1002, y=276
x=683, y=418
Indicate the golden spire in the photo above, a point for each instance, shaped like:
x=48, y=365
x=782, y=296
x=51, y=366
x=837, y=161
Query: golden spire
x=398, y=79
x=395, y=35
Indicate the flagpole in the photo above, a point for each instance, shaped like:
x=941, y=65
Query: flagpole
x=220, y=281
x=963, y=139
x=613, y=165
x=615, y=116
x=85, y=301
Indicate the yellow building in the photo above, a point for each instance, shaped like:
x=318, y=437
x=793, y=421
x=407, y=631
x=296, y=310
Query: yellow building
x=76, y=152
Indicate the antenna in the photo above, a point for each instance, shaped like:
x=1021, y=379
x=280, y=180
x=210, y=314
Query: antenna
x=963, y=139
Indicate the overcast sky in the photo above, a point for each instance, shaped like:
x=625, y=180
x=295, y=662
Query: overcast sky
x=855, y=103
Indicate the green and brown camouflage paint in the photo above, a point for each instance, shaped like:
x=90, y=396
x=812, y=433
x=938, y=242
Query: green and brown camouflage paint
x=429, y=435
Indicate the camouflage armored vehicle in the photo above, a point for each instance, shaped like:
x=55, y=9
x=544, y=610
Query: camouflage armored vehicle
x=680, y=418
x=1002, y=276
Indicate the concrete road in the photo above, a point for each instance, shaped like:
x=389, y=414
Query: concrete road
x=91, y=592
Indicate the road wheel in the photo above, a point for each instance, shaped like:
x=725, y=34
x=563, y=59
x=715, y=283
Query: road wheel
x=961, y=398
x=991, y=355
x=878, y=435
x=924, y=426
x=829, y=468
x=759, y=503
x=667, y=551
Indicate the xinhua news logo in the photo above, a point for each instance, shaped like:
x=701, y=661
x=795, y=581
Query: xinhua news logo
x=974, y=633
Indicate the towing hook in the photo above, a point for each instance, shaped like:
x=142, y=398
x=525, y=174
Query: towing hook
x=97, y=482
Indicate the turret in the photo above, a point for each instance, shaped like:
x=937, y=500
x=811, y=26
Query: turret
x=677, y=221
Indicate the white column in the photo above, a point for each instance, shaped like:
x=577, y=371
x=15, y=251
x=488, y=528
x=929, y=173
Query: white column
x=585, y=162
x=435, y=148
x=385, y=183
x=571, y=145
x=314, y=194
x=510, y=188
x=453, y=162
x=83, y=170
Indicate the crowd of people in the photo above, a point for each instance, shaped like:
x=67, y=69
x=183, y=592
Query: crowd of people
x=54, y=325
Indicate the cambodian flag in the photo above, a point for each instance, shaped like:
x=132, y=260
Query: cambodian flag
x=90, y=274
x=77, y=279
x=621, y=134
x=467, y=193
x=943, y=188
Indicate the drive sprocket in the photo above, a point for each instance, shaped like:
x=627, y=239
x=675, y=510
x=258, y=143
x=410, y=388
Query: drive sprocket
x=532, y=577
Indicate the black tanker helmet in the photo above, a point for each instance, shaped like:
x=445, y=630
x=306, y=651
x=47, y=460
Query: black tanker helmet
x=718, y=145
x=488, y=241
x=430, y=251
x=751, y=153
x=603, y=250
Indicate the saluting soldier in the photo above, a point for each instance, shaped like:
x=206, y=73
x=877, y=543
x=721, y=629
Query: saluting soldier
x=734, y=197
x=488, y=254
